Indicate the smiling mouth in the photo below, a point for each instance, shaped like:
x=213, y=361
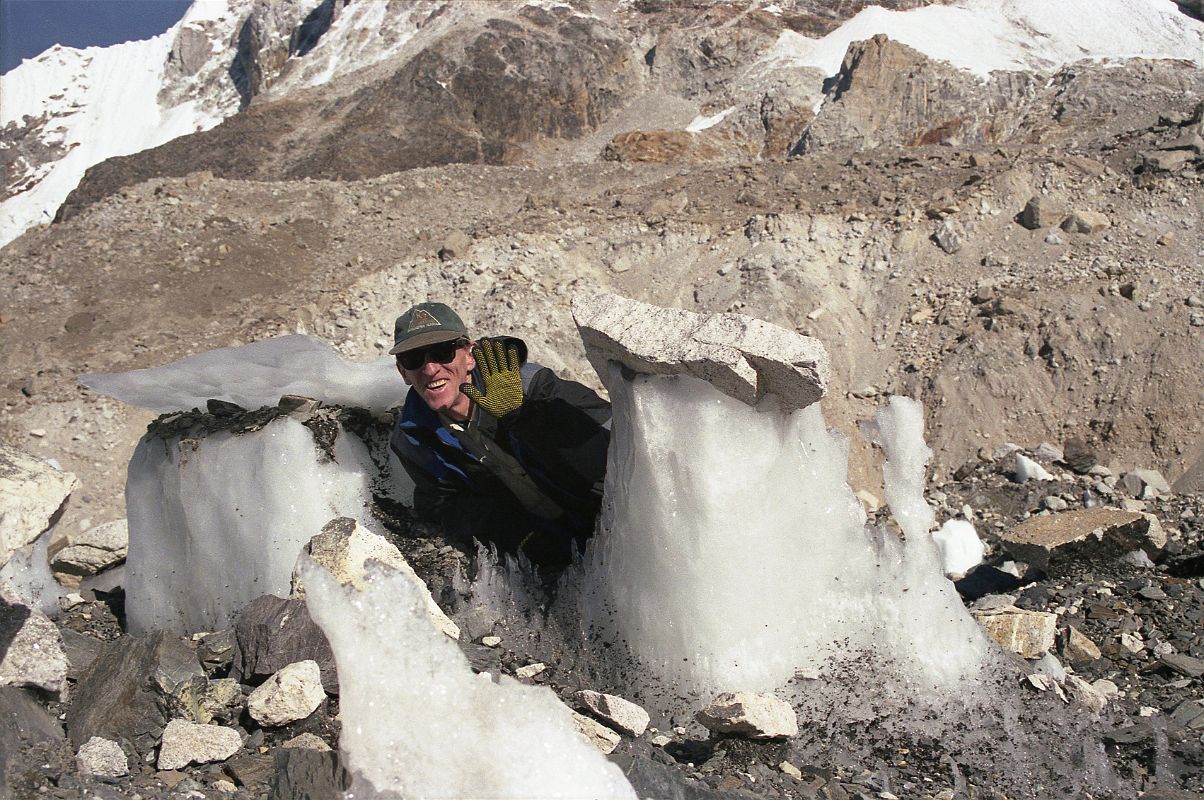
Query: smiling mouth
x=435, y=385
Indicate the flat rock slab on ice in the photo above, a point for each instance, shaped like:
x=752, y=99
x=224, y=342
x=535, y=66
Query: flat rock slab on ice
x=1048, y=540
x=742, y=357
x=622, y=714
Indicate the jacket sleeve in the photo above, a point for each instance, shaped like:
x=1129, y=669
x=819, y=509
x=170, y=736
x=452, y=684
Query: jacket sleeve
x=562, y=430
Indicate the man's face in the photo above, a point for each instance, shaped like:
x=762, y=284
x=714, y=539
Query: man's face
x=439, y=384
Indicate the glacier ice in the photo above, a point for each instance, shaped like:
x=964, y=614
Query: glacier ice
x=961, y=549
x=732, y=554
x=256, y=375
x=418, y=723
x=217, y=521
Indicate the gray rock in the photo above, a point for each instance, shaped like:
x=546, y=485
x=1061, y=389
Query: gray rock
x=948, y=237
x=1055, y=503
x=221, y=700
x=33, y=495
x=103, y=758
x=742, y=357
x=1029, y=634
x=94, y=550
x=753, y=716
x=301, y=773
x=120, y=696
x=272, y=633
x=1042, y=212
x=81, y=650
x=1190, y=714
x=1088, y=695
x=1048, y=452
x=1051, y=540
x=291, y=694
x=31, y=649
x=1184, y=664
x=622, y=714
x=187, y=743
x=1145, y=484
x=30, y=739
x=308, y=741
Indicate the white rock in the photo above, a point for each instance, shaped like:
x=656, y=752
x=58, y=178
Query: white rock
x=94, y=550
x=187, y=743
x=753, y=716
x=32, y=494
x=622, y=714
x=344, y=548
x=530, y=670
x=596, y=733
x=291, y=694
x=1107, y=688
x=742, y=357
x=491, y=641
x=1132, y=642
x=791, y=770
x=1029, y=470
x=1091, y=697
x=103, y=758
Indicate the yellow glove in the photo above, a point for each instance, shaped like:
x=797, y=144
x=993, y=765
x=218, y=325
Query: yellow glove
x=499, y=372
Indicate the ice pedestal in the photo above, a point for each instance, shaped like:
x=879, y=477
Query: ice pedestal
x=219, y=520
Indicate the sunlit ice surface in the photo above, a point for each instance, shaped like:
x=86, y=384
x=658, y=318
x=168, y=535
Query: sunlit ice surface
x=417, y=723
x=733, y=555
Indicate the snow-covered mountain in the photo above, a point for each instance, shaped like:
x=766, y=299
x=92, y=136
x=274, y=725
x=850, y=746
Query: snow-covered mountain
x=68, y=109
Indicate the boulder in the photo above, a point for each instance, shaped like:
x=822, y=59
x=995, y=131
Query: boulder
x=33, y=495
x=344, y=548
x=187, y=743
x=1145, y=484
x=94, y=550
x=1051, y=540
x=271, y=633
x=1026, y=633
x=300, y=772
x=1085, y=222
x=1042, y=212
x=742, y=357
x=31, y=649
x=26, y=730
x=122, y=696
x=291, y=694
x=1077, y=646
x=103, y=758
x=596, y=733
x=948, y=237
x=622, y=714
x=455, y=246
x=751, y=715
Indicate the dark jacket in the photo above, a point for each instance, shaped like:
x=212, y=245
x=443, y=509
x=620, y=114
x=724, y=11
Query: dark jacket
x=530, y=481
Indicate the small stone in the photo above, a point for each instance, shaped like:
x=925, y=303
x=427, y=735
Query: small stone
x=103, y=758
x=791, y=770
x=1048, y=452
x=32, y=652
x=1042, y=212
x=660, y=740
x=596, y=733
x=530, y=670
x=622, y=714
x=1085, y=222
x=1077, y=646
x=187, y=743
x=1030, y=634
x=307, y=741
x=1055, y=503
x=491, y=641
x=291, y=694
x=1132, y=642
x=1092, y=698
x=751, y=715
x=948, y=237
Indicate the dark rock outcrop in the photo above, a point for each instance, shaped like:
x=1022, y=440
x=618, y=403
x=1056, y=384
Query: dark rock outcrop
x=272, y=633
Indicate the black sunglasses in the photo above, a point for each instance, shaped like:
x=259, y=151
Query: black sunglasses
x=440, y=353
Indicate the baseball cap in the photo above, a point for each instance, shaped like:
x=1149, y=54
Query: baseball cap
x=426, y=324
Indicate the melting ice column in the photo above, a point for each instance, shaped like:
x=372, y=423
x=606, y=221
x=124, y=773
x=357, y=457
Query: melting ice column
x=699, y=555
x=732, y=552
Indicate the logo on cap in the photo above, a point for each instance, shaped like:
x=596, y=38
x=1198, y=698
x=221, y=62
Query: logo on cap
x=422, y=319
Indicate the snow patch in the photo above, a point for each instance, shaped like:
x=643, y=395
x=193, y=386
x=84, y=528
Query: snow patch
x=701, y=123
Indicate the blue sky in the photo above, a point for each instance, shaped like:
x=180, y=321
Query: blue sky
x=27, y=27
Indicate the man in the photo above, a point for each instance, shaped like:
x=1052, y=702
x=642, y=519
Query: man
x=499, y=449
